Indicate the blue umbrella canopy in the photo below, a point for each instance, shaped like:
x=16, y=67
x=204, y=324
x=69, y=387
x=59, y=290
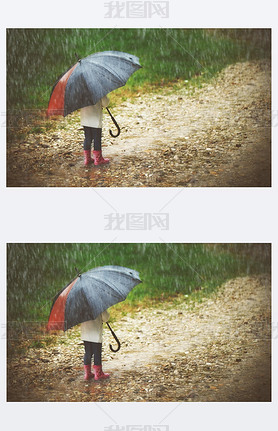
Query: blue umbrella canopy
x=91, y=293
x=90, y=79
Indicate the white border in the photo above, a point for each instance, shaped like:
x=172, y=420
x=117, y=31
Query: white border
x=196, y=215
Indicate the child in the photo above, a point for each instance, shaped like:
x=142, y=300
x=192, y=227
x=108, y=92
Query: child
x=91, y=334
x=91, y=120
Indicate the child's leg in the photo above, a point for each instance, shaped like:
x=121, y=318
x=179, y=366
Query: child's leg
x=87, y=360
x=88, y=138
x=96, y=347
x=87, y=145
x=96, y=133
x=88, y=352
x=98, y=159
x=99, y=374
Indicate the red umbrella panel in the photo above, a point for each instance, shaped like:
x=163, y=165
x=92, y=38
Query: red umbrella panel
x=57, y=98
x=56, y=319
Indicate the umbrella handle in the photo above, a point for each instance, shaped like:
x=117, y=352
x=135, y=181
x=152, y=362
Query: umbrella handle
x=116, y=338
x=116, y=124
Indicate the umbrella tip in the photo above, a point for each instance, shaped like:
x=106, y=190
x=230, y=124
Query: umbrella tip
x=78, y=272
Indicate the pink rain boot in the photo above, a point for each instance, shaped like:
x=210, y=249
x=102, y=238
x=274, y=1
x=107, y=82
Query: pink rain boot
x=87, y=157
x=99, y=374
x=87, y=372
x=98, y=159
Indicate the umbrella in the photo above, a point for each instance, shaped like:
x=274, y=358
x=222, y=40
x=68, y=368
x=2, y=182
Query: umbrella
x=90, y=79
x=89, y=294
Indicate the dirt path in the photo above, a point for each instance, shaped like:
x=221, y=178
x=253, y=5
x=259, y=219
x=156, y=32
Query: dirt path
x=218, y=350
x=219, y=136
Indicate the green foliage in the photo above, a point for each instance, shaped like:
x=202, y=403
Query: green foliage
x=37, y=57
x=36, y=272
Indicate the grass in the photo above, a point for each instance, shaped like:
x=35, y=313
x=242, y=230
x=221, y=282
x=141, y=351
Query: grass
x=36, y=272
x=37, y=57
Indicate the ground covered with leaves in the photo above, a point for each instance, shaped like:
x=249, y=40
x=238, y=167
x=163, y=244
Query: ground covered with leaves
x=216, y=350
x=177, y=136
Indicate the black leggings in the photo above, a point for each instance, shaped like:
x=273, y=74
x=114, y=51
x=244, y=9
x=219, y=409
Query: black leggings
x=90, y=350
x=92, y=133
